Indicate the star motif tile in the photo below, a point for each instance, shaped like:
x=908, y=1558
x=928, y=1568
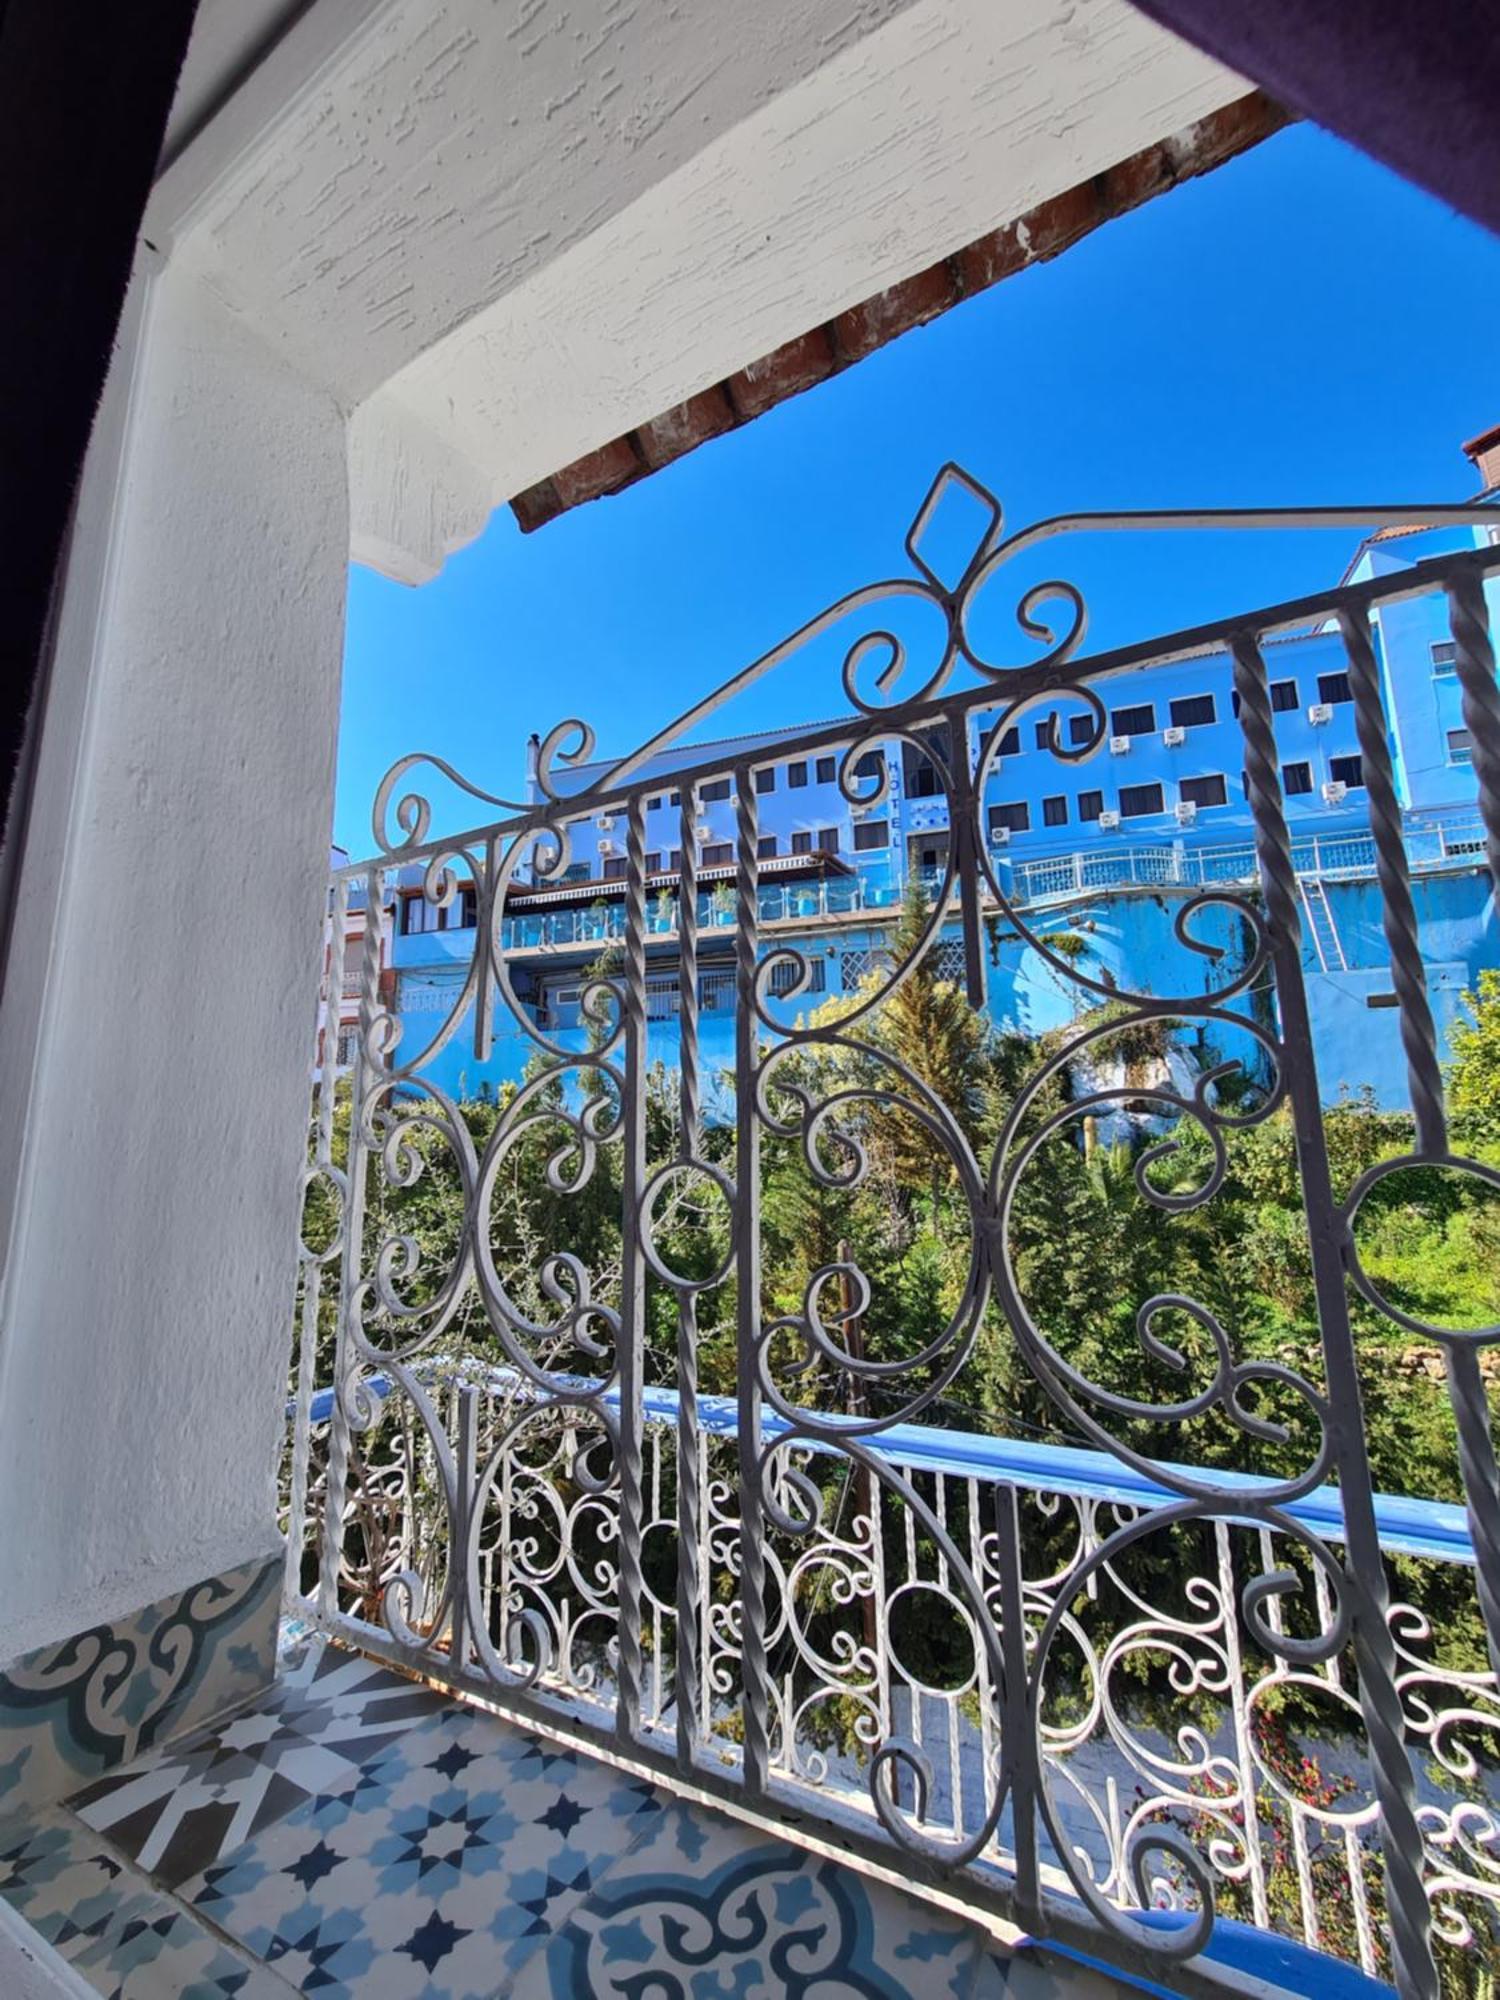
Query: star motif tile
x=358, y=1837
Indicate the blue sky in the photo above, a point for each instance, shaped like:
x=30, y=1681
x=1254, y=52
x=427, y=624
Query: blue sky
x=1298, y=328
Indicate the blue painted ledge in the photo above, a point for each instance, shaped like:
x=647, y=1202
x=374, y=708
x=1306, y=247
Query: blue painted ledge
x=1238, y=1947
x=1432, y=1528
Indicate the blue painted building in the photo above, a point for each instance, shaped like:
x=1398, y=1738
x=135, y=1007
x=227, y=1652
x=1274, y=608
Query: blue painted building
x=1106, y=847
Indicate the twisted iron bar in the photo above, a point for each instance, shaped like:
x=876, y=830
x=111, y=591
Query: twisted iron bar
x=632, y=1279
x=1398, y=912
x=1474, y=658
x=1375, y=1651
x=753, y=1656
x=1466, y=1388
x=687, y=1679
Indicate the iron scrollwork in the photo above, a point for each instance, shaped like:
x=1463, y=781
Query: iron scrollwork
x=554, y=1483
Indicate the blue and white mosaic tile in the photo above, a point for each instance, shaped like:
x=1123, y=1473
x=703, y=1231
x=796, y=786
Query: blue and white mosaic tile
x=358, y=1836
x=94, y=1702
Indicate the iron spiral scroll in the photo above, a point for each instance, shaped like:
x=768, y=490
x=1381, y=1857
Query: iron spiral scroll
x=561, y=1495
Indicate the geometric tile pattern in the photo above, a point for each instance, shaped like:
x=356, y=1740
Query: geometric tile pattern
x=174, y=1814
x=126, y=1940
x=94, y=1702
x=358, y=1837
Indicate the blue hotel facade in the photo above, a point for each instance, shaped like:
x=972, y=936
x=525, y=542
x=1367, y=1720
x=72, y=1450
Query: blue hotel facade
x=1106, y=848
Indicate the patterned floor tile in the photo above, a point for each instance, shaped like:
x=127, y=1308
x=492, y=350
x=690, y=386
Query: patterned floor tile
x=330, y=1719
x=455, y=1858
x=706, y=1905
x=127, y=1941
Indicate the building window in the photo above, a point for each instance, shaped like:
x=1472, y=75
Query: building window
x=1015, y=817
x=1191, y=711
x=828, y=840
x=712, y=793
x=1334, y=688
x=827, y=770
x=1090, y=804
x=576, y=871
x=1460, y=747
x=765, y=779
x=653, y=864
x=1444, y=657
x=870, y=834
x=802, y=843
x=1348, y=771
x=765, y=847
x=1209, y=791
x=796, y=776
x=1137, y=721
x=870, y=765
x=784, y=976
x=1044, y=733
x=1010, y=742
x=1055, y=811
x=675, y=864
x=1139, y=801
x=717, y=853
x=674, y=798
x=923, y=775
x=1284, y=697
x=654, y=805
x=614, y=871
x=417, y=915
x=1296, y=779
x=1080, y=730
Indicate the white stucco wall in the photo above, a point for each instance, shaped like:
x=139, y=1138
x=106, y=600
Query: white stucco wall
x=148, y=1290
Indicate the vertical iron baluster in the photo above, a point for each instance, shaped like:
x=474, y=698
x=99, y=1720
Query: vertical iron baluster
x=632, y=1278
x=1466, y=1388
x=330, y=988
x=963, y=834
x=466, y=1523
x=1244, y=1757
x=754, y=1691
x=1474, y=660
x=1398, y=913
x=369, y=1064
x=1020, y=1721
x=1380, y=1700
x=689, y=1522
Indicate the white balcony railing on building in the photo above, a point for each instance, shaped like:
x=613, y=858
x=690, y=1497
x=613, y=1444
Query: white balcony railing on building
x=1049, y=878
x=1255, y=1762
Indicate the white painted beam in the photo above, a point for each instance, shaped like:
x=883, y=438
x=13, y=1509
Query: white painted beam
x=509, y=236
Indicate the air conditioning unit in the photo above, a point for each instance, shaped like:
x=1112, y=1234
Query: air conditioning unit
x=1185, y=812
x=1118, y=745
x=703, y=831
x=605, y=823
x=999, y=836
x=1334, y=792
x=1109, y=821
x=1321, y=711
x=606, y=847
x=1174, y=738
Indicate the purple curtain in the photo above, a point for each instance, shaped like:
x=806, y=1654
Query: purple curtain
x=1416, y=83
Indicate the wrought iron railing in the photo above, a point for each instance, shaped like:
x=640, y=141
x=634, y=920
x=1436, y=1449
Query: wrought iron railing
x=683, y=1556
